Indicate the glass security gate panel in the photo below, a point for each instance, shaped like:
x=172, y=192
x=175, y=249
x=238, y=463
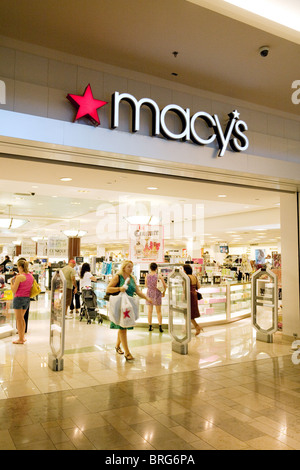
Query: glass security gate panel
x=179, y=309
x=265, y=304
x=57, y=320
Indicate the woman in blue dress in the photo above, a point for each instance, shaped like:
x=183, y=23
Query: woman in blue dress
x=116, y=285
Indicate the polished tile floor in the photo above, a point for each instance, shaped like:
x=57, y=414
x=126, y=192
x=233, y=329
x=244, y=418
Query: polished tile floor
x=229, y=392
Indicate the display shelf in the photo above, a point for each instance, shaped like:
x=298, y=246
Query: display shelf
x=221, y=303
x=240, y=300
x=212, y=307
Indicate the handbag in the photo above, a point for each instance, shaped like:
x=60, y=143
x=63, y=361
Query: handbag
x=160, y=286
x=35, y=289
x=199, y=296
x=108, y=294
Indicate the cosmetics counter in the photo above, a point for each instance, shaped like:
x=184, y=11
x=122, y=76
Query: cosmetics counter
x=221, y=303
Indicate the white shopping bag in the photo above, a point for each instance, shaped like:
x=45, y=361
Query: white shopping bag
x=114, y=308
x=129, y=311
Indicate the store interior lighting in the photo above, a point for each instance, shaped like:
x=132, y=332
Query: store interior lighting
x=11, y=223
x=285, y=13
x=74, y=233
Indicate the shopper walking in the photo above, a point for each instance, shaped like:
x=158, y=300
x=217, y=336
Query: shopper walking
x=194, y=285
x=21, y=286
x=70, y=276
x=155, y=295
x=116, y=285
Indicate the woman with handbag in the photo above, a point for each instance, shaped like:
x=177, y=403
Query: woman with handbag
x=194, y=285
x=153, y=283
x=124, y=281
x=21, y=286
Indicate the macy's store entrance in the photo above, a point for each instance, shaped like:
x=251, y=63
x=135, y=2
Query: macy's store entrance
x=226, y=231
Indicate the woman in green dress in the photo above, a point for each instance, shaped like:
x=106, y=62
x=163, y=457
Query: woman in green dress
x=116, y=285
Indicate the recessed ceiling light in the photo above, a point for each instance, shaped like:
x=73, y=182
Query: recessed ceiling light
x=152, y=188
x=65, y=179
x=222, y=195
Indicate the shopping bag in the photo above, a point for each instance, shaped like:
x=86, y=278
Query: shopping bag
x=160, y=286
x=35, y=289
x=114, y=308
x=129, y=310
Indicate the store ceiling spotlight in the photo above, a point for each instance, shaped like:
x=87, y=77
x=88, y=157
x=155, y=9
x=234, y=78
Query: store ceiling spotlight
x=74, y=233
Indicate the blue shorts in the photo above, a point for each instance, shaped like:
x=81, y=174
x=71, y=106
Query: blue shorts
x=21, y=303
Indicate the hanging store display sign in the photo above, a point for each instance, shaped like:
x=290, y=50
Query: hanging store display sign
x=233, y=134
x=146, y=243
x=28, y=248
x=57, y=247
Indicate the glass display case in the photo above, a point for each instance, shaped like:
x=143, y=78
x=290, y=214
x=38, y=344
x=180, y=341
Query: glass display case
x=240, y=300
x=221, y=303
x=213, y=306
x=7, y=323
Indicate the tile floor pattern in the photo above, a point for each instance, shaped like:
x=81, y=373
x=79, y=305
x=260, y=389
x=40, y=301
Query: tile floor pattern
x=229, y=392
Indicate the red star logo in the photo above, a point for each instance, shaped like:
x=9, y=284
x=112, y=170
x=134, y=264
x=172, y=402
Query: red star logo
x=126, y=313
x=87, y=105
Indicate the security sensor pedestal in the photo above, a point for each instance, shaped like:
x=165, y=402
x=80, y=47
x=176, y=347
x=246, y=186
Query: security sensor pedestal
x=265, y=304
x=179, y=310
x=57, y=321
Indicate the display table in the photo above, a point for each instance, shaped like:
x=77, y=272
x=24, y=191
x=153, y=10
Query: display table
x=221, y=303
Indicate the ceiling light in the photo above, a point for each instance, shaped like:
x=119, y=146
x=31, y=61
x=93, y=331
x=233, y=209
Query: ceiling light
x=285, y=13
x=74, y=233
x=152, y=188
x=65, y=179
x=12, y=223
x=222, y=195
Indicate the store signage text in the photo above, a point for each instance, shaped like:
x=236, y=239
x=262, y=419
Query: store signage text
x=232, y=135
x=2, y=92
x=296, y=94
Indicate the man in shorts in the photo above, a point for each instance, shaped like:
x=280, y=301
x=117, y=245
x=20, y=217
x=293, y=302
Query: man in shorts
x=70, y=273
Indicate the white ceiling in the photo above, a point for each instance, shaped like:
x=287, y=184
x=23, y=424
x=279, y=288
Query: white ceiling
x=95, y=196
x=215, y=52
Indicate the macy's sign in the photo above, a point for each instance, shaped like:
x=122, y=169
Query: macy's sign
x=233, y=134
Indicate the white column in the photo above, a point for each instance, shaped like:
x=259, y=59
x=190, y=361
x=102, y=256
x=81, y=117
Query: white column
x=289, y=220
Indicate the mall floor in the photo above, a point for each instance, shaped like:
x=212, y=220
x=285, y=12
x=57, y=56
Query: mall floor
x=229, y=392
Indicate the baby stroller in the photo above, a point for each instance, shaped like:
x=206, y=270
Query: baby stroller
x=89, y=308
